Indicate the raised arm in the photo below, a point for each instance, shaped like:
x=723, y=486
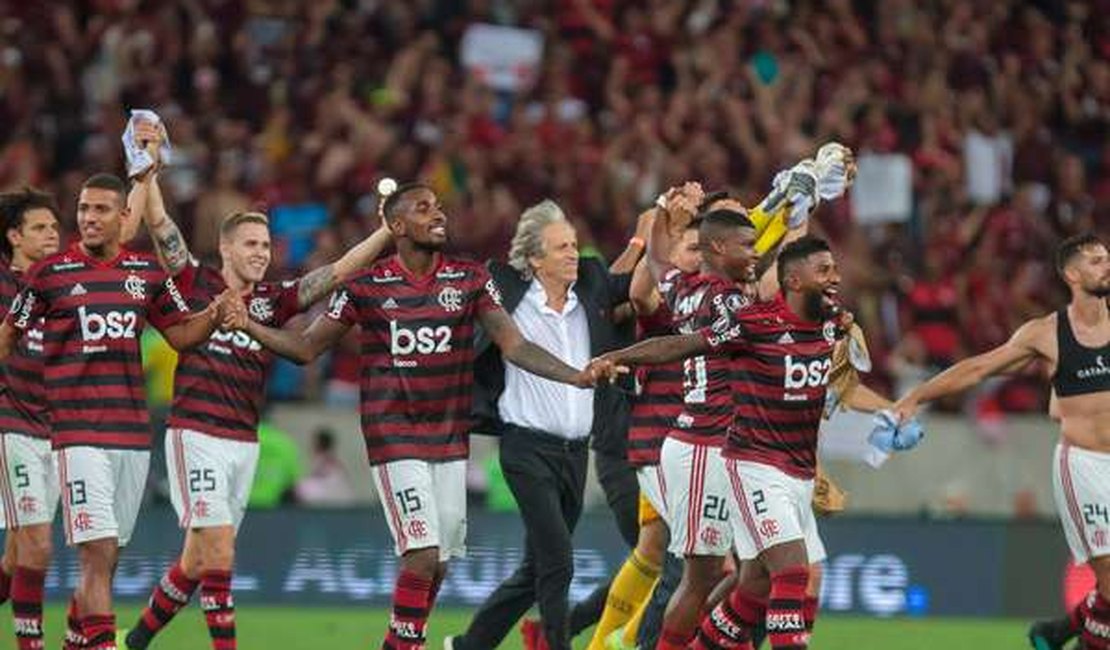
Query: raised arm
x=502, y=330
x=634, y=251
x=169, y=243
x=642, y=292
x=299, y=346
x=971, y=371
x=322, y=281
x=136, y=207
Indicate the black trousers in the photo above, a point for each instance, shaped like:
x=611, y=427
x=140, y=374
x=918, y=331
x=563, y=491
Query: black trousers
x=547, y=475
x=622, y=492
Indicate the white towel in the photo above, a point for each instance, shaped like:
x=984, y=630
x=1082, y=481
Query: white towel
x=138, y=160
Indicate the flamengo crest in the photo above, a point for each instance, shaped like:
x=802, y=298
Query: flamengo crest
x=135, y=287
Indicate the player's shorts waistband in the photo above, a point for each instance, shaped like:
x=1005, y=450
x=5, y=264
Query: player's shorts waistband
x=1064, y=445
x=546, y=439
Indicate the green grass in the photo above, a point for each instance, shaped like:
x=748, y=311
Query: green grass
x=325, y=628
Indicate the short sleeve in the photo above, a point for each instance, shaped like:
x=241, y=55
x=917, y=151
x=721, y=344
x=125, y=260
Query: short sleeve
x=288, y=301
x=342, y=307
x=168, y=305
x=489, y=295
x=28, y=306
x=727, y=330
x=668, y=286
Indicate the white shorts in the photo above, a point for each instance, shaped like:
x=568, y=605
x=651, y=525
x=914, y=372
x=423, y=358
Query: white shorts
x=697, y=499
x=1081, y=485
x=425, y=504
x=771, y=507
x=210, y=478
x=653, y=488
x=28, y=481
x=102, y=490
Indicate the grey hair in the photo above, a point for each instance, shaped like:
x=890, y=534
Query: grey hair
x=528, y=238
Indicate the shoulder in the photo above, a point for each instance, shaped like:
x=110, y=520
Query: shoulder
x=60, y=261
x=137, y=259
x=379, y=274
x=274, y=287
x=456, y=268
x=1037, y=331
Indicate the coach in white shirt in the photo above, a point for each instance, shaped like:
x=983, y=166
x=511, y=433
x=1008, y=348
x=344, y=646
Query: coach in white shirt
x=564, y=304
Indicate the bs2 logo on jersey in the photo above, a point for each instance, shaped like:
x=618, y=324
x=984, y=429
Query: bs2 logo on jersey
x=113, y=325
x=421, y=340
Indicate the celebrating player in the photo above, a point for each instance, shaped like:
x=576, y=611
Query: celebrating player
x=28, y=477
x=780, y=351
x=1075, y=341
x=95, y=298
x=418, y=311
x=212, y=439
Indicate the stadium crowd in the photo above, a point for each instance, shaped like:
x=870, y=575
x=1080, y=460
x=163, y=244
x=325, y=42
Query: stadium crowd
x=300, y=108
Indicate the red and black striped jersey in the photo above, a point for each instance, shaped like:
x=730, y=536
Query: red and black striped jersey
x=219, y=386
x=22, y=394
x=658, y=398
x=696, y=300
x=416, y=354
x=94, y=313
x=781, y=366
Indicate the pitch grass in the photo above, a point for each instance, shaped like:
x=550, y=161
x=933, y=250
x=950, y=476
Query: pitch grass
x=313, y=628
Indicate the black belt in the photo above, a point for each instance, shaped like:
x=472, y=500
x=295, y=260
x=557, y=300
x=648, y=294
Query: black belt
x=547, y=439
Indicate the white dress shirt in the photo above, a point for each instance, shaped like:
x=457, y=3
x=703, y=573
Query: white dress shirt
x=537, y=403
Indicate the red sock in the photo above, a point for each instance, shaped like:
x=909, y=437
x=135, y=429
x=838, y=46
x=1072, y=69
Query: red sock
x=786, y=628
x=27, y=607
x=219, y=608
x=99, y=631
x=672, y=640
x=1082, y=610
x=728, y=625
x=411, y=597
x=809, y=612
x=1096, y=626
x=5, y=586
x=75, y=637
x=170, y=595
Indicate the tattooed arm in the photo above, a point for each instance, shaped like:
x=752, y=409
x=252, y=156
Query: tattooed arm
x=322, y=281
x=503, y=331
x=173, y=252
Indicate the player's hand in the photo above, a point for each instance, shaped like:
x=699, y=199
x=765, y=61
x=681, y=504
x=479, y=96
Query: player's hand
x=232, y=311
x=681, y=204
x=800, y=186
x=906, y=408
x=150, y=136
x=836, y=170
x=603, y=368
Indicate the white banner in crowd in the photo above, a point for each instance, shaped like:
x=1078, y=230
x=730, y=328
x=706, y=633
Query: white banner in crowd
x=505, y=58
x=883, y=190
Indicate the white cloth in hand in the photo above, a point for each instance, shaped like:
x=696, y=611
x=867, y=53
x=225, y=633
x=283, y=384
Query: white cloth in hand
x=138, y=159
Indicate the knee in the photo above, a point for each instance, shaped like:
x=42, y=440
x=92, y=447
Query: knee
x=36, y=549
x=652, y=543
x=422, y=562
x=218, y=556
x=816, y=573
x=98, y=558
